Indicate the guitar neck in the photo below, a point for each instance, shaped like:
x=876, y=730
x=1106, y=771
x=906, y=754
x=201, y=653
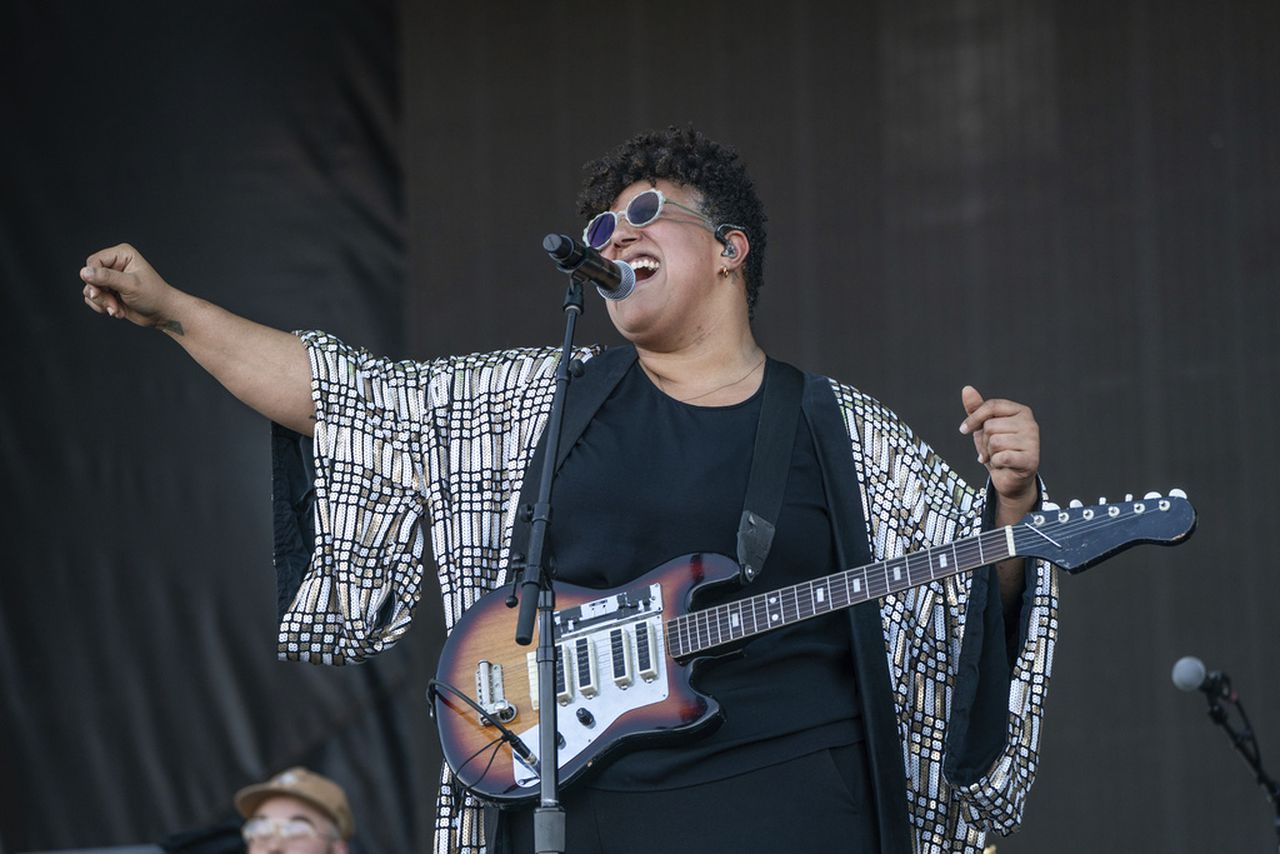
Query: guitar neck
x=699, y=631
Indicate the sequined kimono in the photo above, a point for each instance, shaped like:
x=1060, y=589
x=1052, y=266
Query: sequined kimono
x=952, y=708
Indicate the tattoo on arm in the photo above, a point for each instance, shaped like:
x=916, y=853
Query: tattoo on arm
x=173, y=327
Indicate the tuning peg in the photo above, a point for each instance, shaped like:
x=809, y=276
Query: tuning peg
x=1128, y=496
x=1102, y=499
x=1177, y=493
x=1150, y=495
x=1049, y=505
x=1075, y=502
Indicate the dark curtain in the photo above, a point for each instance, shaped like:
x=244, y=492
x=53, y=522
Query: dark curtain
x=253, y=152
x=1076, y=205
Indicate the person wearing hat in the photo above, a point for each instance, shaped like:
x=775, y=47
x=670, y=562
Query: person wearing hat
x=297, y=810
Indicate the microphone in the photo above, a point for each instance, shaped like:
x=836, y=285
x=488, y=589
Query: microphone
x=1189, y=675
x=614, y=280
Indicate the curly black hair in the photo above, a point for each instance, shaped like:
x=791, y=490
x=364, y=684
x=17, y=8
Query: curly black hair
x=685, y=156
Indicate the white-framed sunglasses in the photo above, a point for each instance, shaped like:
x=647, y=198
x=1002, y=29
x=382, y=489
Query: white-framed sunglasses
x=642, y=210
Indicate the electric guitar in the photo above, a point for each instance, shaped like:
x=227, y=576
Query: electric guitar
x=626, y=656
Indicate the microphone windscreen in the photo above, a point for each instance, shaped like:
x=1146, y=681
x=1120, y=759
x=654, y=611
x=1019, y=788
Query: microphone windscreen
x=625, y=287
x=1188, y=673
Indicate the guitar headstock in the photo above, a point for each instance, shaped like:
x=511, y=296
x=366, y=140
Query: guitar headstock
x=1077, y=537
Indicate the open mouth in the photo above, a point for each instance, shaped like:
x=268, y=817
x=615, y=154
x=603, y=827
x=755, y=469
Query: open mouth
x=645, y=267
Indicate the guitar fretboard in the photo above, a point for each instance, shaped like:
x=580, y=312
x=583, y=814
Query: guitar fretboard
x=698, y=631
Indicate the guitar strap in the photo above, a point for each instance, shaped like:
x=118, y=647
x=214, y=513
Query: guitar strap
x=770, y=466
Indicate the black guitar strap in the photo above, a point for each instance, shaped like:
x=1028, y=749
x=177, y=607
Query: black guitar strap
x=770, y=466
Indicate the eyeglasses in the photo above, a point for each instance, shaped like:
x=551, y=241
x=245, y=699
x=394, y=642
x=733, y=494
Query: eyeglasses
x=262, y=830
x=640, y=211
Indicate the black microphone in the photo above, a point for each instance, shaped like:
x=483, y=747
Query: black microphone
x=1189, y=675
x=614, y=280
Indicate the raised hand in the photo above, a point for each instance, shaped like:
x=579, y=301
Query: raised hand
x=1007, y=438
x=266, y=368
x=120, y=283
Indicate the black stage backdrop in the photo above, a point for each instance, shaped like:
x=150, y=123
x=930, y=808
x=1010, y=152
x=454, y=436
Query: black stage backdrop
x=1074, y=204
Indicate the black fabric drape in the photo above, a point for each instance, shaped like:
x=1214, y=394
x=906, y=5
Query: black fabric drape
x=252, y=152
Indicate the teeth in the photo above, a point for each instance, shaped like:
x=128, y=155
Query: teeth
x=645, y=264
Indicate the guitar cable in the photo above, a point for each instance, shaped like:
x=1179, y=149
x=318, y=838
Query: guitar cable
x=496, y=745
x=457, y=787
x=434, y=687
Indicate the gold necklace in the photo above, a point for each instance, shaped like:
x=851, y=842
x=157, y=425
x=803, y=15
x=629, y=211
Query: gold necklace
x=753, y=369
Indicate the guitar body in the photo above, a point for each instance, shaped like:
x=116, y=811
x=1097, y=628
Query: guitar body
x=622, y=688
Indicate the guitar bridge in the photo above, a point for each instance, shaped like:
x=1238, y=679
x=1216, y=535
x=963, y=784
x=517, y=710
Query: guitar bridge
x=491, y=694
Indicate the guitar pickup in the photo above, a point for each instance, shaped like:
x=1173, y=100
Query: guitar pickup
x=564, y=685
x=620, y=657
x=646, y=663
x=585, y=654
x=564, y=688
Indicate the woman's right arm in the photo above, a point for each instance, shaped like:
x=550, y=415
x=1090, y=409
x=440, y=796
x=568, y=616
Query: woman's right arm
x=266, y=368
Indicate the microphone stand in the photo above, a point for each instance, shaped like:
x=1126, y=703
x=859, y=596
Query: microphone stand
x=1246, y=744
x=536, y=590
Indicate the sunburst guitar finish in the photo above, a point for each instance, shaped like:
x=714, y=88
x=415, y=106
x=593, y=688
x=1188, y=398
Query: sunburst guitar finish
x=617, y=682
